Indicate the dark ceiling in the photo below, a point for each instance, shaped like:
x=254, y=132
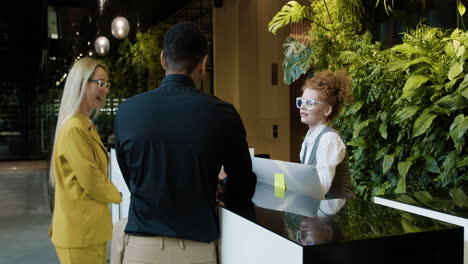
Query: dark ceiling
x=23, y=29
x=30, y=61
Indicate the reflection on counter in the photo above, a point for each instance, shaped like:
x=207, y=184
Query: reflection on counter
x=310, y=222
x=454, y=202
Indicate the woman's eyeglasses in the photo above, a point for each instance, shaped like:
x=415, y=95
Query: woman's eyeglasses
x=307, y=104
x=102, y=84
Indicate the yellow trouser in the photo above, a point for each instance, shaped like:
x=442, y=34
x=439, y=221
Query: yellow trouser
x=90, y=255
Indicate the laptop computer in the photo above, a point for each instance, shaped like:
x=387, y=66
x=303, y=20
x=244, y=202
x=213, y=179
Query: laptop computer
x=290, y=202
x=299, y=178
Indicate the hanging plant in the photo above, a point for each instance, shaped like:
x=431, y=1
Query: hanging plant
x=297, y=59
x=329, y=28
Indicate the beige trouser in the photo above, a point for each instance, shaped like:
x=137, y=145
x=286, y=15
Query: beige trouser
x=128, y=249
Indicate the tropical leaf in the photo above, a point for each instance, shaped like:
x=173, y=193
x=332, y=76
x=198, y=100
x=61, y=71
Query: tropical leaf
x=404, y=166
x=406, y=112
x=413, y=82
x=450, y=49
x=452, y=102
x=450, y=160
x=449, y=85
x=397, y=64
x=464, y=92
x=291, y=12
x=422, y=123
x=387, y=163
x=459, y=127
x=455, y=70
x=460, y=51
x=423, y=197
x=407, y=48
x=293, y=47
x=437, y=87
x=431, y=164
x=456, y=44
x=463, y=88
x=383, y=130
x=455, y=33
x=401, y=185
x=355, y=108
x=459, y=197
x=463, y=162
x=404, y=64
x=297, y=60
x=461, y=8
x=358, y=142
x=359, y=127
x=378, y=191
x=404, y=198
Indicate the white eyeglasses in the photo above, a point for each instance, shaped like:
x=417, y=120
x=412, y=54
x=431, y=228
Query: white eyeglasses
x=308, y=104
x=102, y=84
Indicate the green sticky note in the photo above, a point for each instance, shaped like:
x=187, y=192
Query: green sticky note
x=280, y=185
x=279, y=181
x=279, y=192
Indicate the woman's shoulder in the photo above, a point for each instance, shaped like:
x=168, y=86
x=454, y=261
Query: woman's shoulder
x=75, y=123
x=333, y=136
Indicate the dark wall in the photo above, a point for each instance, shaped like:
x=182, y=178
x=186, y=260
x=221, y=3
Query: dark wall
x=21, y=45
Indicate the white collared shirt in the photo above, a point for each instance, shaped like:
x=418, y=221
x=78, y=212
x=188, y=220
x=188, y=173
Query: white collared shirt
x=330, y=152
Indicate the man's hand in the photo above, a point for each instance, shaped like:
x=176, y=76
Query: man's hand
x=220, y=189
x=222, y=175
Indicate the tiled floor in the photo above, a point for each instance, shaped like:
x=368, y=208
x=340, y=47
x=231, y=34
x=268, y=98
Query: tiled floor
x=24, y=214
x=24, y=240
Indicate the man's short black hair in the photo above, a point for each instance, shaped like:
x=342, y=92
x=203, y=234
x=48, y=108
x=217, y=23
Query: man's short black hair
x=185, y=46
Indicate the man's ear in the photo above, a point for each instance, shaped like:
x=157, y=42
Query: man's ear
x=163, y=60
x=203, y=64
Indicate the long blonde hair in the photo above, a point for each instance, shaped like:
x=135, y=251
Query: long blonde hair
x=73, y=95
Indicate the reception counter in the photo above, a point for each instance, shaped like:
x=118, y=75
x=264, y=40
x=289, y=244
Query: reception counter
x=292, y=228
x=332, y=231
x=450, y=207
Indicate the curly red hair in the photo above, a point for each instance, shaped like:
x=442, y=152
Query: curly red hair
x=334, y=86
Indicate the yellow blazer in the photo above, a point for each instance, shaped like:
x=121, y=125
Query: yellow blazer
x=82, y=190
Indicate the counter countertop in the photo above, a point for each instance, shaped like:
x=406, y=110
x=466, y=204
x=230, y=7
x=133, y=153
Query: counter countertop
x=308, y=222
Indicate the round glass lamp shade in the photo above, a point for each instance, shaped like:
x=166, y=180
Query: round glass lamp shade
x=102, y=45
x=120, y=27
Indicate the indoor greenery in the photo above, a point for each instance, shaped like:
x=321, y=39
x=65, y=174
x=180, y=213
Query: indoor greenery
x=454, y=203
x=407, y=127
x=333, y=23
x=136, y=67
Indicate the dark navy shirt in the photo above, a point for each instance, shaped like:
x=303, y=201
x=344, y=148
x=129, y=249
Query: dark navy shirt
x=171, y=143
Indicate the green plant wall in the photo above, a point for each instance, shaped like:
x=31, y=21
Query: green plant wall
x=407, y=126
x=406, y=129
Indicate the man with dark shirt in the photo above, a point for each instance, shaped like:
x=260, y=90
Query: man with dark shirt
x=171, y=143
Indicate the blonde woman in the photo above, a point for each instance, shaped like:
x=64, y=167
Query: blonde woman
x=81, y=225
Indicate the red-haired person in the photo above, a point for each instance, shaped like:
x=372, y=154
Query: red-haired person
x=321, y=100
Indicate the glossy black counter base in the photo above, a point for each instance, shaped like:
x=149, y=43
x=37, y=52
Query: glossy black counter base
x=434, y=247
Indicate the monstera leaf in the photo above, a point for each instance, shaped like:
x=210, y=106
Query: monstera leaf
x=291, y=12
x=297, y=60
